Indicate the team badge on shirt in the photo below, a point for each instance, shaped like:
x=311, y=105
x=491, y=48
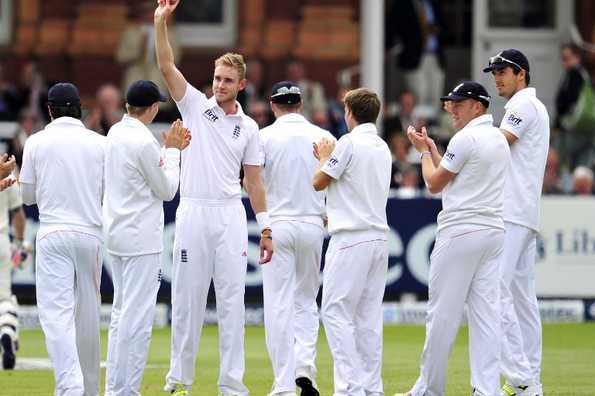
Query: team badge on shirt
x=514, y=120
x=236, y=132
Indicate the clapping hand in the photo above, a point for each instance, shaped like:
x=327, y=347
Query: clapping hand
x=419, y=139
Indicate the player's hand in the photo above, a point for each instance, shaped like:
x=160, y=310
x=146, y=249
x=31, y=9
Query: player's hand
x=19, y=252
x=431, y=145
x=165, y=8
x=7, y=165
x=7, y=182
x=266, y=250
x=177, y=136
x=418, y=139
x=324, y=148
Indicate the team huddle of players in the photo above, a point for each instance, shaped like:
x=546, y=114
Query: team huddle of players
x=297, y=178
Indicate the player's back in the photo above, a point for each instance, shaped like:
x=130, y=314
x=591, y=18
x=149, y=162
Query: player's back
x=289, y=165
x=68, y=162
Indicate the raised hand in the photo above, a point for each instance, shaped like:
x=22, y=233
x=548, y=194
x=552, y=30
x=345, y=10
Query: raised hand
x=7, y=165
x=324, y=148
x=418, y=139
x=177, y=136
x=165, y=8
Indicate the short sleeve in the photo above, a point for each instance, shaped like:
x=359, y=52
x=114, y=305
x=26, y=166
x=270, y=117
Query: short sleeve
x=262, y=141
x=517, y=118
x=192, y=99
x=27, y=174
x=457, y=153
x=340, y=158
x=252, y=153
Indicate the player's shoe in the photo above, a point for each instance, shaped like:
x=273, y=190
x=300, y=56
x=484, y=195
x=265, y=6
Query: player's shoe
x=8, y=351
x=307, y=386
x=521, y=390
x=176, y=390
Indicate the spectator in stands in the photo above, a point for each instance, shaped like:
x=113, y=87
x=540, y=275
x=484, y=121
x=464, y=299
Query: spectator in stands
x=406, y=113
x=409, y=184
x=577, y=147
x=336, y=115
x=137, y=53
x=312, y=92
x=399, y=147
x=320, y=118
x=33, y=91
x=582, y=180
x=255, y=86
x=108, y=109
x=417, y=25
x=9, y=99
x=551, y=178
x=259, y=111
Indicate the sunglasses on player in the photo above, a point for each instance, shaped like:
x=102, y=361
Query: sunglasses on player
x=499, y=59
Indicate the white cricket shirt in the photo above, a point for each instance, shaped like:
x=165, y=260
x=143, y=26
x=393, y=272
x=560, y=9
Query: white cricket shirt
x=289, y=164
x=526, y=118
x=137, y=181
x=65, y=164
x=361, y=166
x=220, y=145
x=10, y=199
x=480, y=157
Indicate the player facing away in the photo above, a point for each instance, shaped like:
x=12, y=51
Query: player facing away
x=357, y=173
x=464, y=264
x=138, y=178
x=62, y=173
x=526, y=126
x=211, y=239
x=11, y=207
x=292, y=279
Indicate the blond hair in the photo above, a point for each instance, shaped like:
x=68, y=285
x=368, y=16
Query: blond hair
x=234, y=60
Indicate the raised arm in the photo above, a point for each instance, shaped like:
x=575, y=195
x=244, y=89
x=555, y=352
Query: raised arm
x=176, y=83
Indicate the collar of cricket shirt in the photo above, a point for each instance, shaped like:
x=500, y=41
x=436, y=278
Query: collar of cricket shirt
x=367, y=127
x=213, y=105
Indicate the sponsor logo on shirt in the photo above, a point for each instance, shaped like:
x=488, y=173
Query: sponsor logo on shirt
x=332, y=162
x=236, y=132
x=184, y=256
x=514, y=120
x=210, y=115
x=449, y=156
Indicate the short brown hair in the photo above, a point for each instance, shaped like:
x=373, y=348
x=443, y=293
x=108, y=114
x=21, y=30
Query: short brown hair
x=363, y=104
x=233, y=60
x=136, y=111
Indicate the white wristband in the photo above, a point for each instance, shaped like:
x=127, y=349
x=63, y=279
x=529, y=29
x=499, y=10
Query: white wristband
x=263, y=220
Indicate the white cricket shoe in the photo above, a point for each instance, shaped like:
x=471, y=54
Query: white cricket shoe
x=521, y=390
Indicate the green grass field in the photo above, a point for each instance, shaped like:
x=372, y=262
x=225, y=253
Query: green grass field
x=568, y=368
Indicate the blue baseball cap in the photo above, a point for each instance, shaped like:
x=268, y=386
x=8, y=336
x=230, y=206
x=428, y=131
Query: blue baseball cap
x=144, y=93
x=468, y=90
x=64, y=94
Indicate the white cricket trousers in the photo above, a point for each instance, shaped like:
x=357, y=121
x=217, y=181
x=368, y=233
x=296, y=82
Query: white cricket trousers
x=136, y=283
x=521, y=323
x=464, y=268
x=356, y=263
x=291, y=281
x=68, y=275
x=211, y=243
x=5, y=269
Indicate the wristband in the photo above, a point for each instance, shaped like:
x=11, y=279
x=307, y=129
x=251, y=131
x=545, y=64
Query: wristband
x=263, y=220
x=424, y=153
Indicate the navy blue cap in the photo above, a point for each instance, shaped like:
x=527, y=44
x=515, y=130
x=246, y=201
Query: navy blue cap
x=468, y=90
x=508, y=58
x=286, y=92
x=64, y=94
x=143, y=93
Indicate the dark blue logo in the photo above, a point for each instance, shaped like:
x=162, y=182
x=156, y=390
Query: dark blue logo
x=332, y=161
x=514, y=120
x=449, y=156
x=184, y=256
x=209, y=115
x=236, y=132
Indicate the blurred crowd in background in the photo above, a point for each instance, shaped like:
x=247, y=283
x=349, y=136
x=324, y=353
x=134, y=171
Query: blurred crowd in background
x=571, y=160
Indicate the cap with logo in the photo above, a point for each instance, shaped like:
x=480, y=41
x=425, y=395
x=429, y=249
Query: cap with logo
x=507, y=58
x=468, y=90
x=64, y=94
x=286, y=92
x=143, y=93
